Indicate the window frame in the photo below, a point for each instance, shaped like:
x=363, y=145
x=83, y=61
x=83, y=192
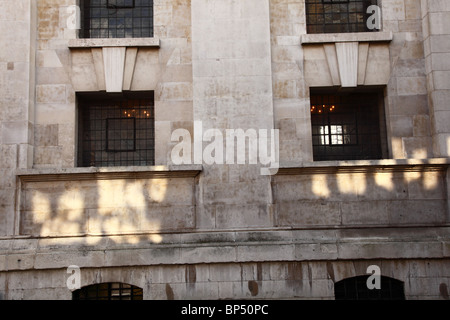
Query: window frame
x=323, y=27
x=346, y=109
x=94, y=146
x=355, y=288
x=94, y=292
x=88, y=32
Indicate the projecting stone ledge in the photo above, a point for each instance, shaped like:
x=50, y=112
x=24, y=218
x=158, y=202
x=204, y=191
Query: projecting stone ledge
x=95, y=173
x=347, y=37
x=347, y=60
x=101, y=43
x=365, y=166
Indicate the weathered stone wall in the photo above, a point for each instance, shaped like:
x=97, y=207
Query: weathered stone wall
x=232, y=90
x=233, y=82
x=436, y=35
x=407, y=111
x=360, y=196
x=382, y=194
x=404, y=77
x=165, y=68
x=290, y=92
x=116, y=206
x=223, y=231
x=423, y=279
x=17, y=91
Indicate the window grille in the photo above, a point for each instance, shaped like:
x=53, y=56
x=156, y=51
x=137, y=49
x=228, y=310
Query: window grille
x=116, y=131
x=108, y=291
x=345, y=126
x=338, y=16
x=355, y=288
x=117, y=19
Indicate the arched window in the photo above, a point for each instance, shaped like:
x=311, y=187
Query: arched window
x=356, y=289
x=108, y=291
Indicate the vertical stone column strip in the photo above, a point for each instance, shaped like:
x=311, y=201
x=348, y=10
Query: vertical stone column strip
x=447, y=185
x=232, y=76
x=26, y=151
x=17, y=102
x=436, y=32
x=114, y=64
x=347, y=54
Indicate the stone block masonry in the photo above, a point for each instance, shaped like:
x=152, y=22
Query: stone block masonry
x=224, y=231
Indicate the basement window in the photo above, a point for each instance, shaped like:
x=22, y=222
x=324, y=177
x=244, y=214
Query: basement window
x=108, y=291
x=356, y=288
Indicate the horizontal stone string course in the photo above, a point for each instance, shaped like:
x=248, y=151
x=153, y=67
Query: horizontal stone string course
x=102, y=174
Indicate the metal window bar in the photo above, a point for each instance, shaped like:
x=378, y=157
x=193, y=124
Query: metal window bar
x=345, y=127
x=116, y=19
x=338, y=16
x=116, y=132
x=108, y=291
x=355, y=288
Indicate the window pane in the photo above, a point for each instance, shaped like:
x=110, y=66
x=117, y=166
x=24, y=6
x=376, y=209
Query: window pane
x=116, y=132
x=118, y=17
x=336, y=16
x=108, y=291
x=345, y=127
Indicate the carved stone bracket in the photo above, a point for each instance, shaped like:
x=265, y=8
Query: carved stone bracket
x=114, y=60
x=347, y=60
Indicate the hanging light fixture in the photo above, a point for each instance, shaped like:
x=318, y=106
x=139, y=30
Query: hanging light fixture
x=322, y=108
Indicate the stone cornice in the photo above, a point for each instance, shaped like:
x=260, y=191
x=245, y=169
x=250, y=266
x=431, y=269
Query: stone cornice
x=94, y=173
x=115, y=42
x=365, y=166
x=346, y=37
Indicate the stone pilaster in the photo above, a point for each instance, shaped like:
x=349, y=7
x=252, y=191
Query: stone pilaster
x=436, y=30
x=232, y=79
x=17, y=98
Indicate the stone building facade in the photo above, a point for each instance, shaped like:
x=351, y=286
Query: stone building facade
x=198, y=230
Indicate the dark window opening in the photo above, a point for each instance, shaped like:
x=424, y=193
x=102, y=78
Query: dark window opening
x=356, y=289
x=108, y=291
x=116, y=19
x=121, y=134
x=116, y=131
x=338, y=16
x=347, y=127
x=120, y=4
